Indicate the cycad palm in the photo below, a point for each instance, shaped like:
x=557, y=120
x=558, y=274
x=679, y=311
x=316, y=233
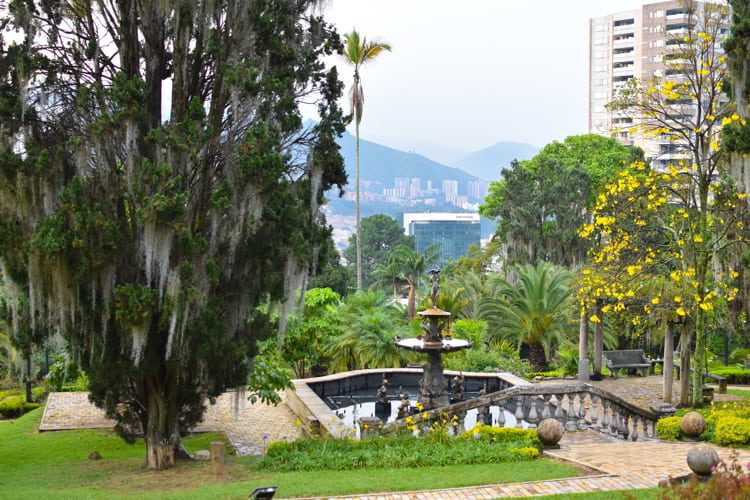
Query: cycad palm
x=529, y=311
x=358, y=52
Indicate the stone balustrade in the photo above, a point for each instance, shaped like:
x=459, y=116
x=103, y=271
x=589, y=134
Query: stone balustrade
x=577, y=406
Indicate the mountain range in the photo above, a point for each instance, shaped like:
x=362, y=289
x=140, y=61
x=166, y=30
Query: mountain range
x=488, y=162
x=382, y=164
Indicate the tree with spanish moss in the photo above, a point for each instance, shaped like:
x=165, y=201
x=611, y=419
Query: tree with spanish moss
x=148, y=223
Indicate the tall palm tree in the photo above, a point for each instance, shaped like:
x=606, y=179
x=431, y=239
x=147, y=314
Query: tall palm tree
x=414, y=265
x=530, y=311
x=358, y=52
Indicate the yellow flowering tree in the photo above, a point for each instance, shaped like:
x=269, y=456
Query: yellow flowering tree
x=682, y=213
x=649, y=224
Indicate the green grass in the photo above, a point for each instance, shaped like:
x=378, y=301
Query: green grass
x=646, y=494
x=744, y=394
x=55, y=464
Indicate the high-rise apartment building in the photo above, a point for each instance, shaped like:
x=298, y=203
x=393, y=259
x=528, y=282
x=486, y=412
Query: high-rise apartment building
x=633, y=44
x=453, y=232
x=450, y=189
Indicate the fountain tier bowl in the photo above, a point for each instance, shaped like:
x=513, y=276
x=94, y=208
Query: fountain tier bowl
x=426, y=345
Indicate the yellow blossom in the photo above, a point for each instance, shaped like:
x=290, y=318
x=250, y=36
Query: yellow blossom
x=680, y=311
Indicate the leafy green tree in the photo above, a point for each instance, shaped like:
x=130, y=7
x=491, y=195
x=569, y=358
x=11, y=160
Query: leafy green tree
x=528, y=311
x=149, y=239
x=306, y=338
x=368, y=341
x=380, y=235
x=330, y=272
x=539, y=208
x=540, y=203
x=601, y=157
x=358, y=51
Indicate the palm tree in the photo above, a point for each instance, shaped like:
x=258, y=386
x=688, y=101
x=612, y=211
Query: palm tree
x=372, y=323
x=388, y=276
x=529, y=312
x=413, y=266
x=358, y=52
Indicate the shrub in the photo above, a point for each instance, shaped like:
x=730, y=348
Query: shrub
x=668, y=428
x=488, y=360
x=398, y=451
x=732, y=430
x=734, y=375
x=491, y=434
x=15, y=406
x=551, y=373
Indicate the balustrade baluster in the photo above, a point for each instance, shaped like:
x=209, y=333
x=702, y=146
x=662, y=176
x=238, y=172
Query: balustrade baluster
x=559, y=413
x=545, y=412
x=533, y=418
x=519, y=411
x=501, y=415
x=614, y=424
x=571, y=422
x=581, y=410
x=605, y=416
x=634, y=434
x=625, y=431
x=595, y=413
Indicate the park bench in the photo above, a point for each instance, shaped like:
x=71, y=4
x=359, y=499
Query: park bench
x=629, y=359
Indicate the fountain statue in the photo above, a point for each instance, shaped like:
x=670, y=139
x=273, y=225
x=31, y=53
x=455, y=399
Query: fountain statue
x=433, y=393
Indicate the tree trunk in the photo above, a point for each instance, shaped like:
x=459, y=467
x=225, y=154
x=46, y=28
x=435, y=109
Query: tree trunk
x=536, y=356
x=29, y=394
x=668, y=362
x=583, y=347
x=411, y=302
x=598, y=341
x=162, y=432
x=359, y=229
x=685, y=367
x=699, y=356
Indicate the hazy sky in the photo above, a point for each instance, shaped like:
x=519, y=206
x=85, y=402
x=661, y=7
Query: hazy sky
x=466, y=74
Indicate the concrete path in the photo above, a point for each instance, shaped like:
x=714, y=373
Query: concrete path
x=616, y=465
x=249, y=427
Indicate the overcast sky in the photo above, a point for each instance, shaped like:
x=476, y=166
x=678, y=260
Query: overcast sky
x=466, y=74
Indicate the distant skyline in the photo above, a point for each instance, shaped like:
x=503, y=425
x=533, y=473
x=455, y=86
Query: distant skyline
x=465, y=75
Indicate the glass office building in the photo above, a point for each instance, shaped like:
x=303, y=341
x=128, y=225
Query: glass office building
x=454, y=232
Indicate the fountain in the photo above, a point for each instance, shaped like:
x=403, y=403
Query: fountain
x=432, y=387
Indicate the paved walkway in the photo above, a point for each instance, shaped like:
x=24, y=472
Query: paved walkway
x=615, y=465
x=249, y=427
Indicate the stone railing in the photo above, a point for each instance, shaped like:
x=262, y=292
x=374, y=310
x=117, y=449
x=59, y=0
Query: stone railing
x=577, y=406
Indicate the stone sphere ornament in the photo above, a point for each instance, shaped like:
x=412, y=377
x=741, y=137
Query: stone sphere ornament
x=702, y=459
x=550, y=431
x=692, y=425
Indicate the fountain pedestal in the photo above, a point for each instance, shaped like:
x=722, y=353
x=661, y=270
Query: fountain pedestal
x=433, y=393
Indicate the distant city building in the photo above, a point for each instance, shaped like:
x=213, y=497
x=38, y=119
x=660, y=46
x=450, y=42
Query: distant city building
x=414, y=187
x=639, y=44
x=450, y=190
x=477, y=190
x=453, y=232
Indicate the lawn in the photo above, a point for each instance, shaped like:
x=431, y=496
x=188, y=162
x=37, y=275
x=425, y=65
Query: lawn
x=744, y=394
x=55, y=464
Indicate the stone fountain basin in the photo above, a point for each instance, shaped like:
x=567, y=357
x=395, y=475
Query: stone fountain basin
x=422, y=345
x=313, y=399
